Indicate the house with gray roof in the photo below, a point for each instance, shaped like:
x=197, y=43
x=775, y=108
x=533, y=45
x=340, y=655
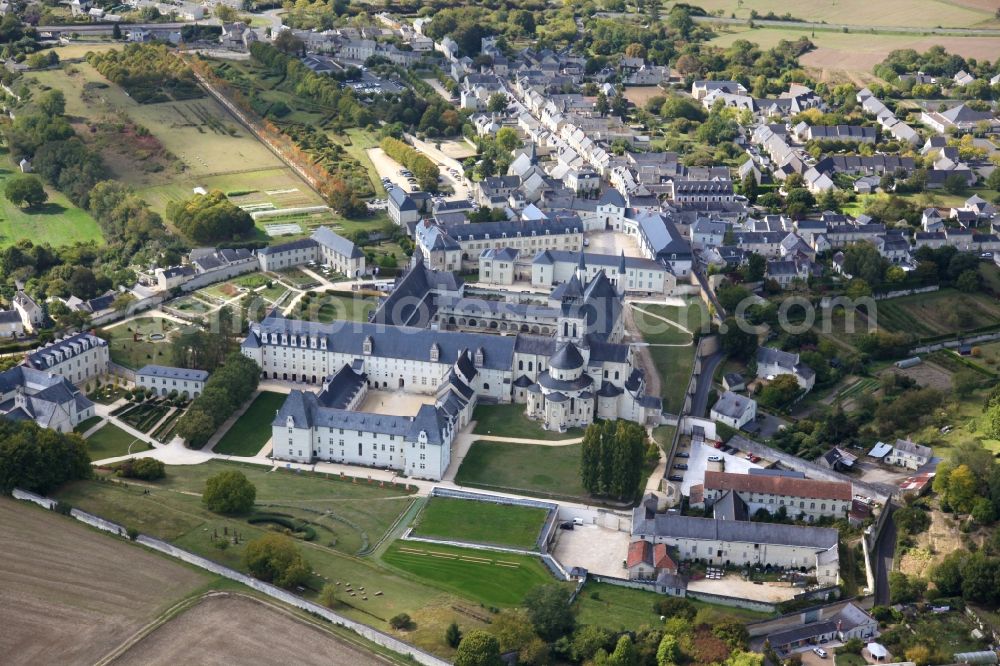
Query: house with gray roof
x=734, y=410
x=48, y=399
x=773, y=362
x=78, y=357
x=908, y=454
x=324, y=246
x=165, y=380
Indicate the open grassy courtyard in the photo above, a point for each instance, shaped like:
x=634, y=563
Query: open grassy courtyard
x=493, y=579
x=56, y=222
x=111, y=442
x=532, y=469
x=252, y=430
x=480, y=522
x=141, y=341
x=671, y=348
x=511, y=421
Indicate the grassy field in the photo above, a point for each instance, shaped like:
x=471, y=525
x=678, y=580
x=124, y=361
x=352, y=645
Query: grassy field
x=348, y=517
x=357, y=145
x=72, y=594
x=623, y=608
x=87, y=424
x=56, y=222
x=493, y=579
x=511, y=421
x=330, y=306
x=480, y=522
x=852, y=55
x=545, y=471
x=909, y=13
x=252, y=430
x=131, y=353
x=937, y=313
x=111, y=442
x=673, y=363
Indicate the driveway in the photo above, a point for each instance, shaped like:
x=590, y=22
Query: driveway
x=698, y=461
x=597, y=549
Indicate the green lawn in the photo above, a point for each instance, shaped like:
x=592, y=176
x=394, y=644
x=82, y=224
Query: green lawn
x=251, y=431
x=329, y=306
x=941, y=312
x=850, y=660
x=56, y=222
x=493, y=579
x=111, y=442
x=481, y=522
x=134, y=353
x=84, y=426
x=673, y=363
x=511, y=421
x=532, y=469
x=626, y=609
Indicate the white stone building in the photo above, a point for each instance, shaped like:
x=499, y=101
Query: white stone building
x=78, y=358
x=810, y=498
x=43, y=397
x=165, y=379
x=324, y=246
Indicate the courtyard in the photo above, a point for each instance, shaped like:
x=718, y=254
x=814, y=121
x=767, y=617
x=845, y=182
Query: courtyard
x=597, y=549
x=611, y=242
x=698, y=462
x=395, y=403
x=734, y=585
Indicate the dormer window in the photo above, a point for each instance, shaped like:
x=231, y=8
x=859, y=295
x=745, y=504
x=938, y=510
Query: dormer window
x=435, y=353
x=479, y=358
x=367, y=347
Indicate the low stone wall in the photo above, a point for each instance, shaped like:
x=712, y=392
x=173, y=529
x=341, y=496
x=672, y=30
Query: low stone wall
x=44, y=502
x=733, y=602
x=363, y=630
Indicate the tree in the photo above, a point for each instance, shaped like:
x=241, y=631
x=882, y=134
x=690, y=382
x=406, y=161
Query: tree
x=955, y=184
x=962, y=489
x=736, y=341
x=497, y=103
x=669, y=651
x=453, y=635
x=229, y=492
x=968, y=281
x=779, y=391
x=964, y=382
x=755, y=268
x=624, y=654
x=549, y=611
x=210, y=218
x=195, y=427
x=478, y=648
x=328, y=595
x=507, y=139
x=273, y=558
x=39, y=459
x=512, y=629
x=670, y=607
x=286, y=42
x=590, y=639
x=749, y=188
x=25, y=190
x=734, y=633
x=401, y=621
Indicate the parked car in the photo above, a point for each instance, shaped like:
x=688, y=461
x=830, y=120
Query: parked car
x=683, y=454
x=820, y=652
x=566, y=526
x=715, y=459
x=680, y=466
x=676, y=477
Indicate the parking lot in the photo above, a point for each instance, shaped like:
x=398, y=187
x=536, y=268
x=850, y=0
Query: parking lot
x=698, y=461
x=597, y=549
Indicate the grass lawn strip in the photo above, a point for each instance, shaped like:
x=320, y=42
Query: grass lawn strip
x=56, y=222
x=533, y=469
x=511, y=421
x=481, y=522
x=251, y=431
x=493, y=579
x=111, y=441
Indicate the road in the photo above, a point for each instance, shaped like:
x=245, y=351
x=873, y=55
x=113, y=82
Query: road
x=838, y=27
x=699, y=404
x=459, y=183
x=885, y=551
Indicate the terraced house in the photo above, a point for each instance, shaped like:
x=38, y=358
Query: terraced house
x=78, y=358
x=809, y=498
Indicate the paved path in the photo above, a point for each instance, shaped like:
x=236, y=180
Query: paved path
x=536, y=442
x=146, y=314
x=661, y=318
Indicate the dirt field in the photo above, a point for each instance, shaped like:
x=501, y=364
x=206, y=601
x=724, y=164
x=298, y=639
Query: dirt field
x=240, y=630
x=853, y=55
x=639, y=95
x=905, y=13
x=69, y=594
x=941, y=538
x=926, y=374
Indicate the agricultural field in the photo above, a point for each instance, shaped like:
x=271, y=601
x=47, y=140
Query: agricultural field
x=903, y=13
x=111, y=442
x=511, y=421
x=528, y=469
x=481, y=522
x=349, y=517
x=493, y=579
x=938, y=313
x=240, y=629
x=72, y=594
x=138, y=342
x=56, y=222
x=253, y=429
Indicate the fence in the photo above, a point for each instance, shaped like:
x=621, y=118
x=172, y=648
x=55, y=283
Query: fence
x=905, y=292
x=369, y=633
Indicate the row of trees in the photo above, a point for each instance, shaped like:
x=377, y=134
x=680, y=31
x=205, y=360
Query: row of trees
x=424, y=170
x=612, y=458
x=230, y=386
x=38, y=459
x=210, y=218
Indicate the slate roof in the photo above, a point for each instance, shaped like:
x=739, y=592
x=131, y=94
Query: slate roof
x=690, y=527
x=732, y=405
x=326, y=237
x=567, y=357
x=388, y=341
x=169, y=372
x=300, y=244
x=43, y=358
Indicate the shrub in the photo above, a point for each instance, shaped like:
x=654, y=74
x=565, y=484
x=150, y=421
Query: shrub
x=147, y=469
x=229, y=492
x=401, y=621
